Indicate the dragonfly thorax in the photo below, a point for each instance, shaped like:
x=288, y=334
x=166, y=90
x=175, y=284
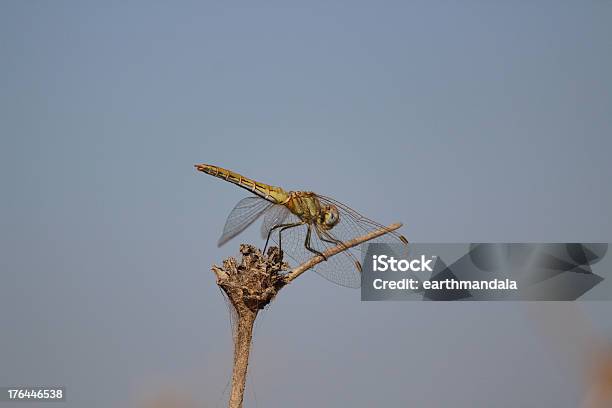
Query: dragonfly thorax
x=307, y=207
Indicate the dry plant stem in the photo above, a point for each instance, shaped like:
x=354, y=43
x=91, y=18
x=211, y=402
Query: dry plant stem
x=249, y=285
x=242, y=348
x=252, y=285
x=339, y=248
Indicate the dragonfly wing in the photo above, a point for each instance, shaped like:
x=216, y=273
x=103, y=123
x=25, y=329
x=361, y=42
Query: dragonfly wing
x=344, y=268
x=340, y=269
x=244, y=214
x=352, y=224
x=274, y=216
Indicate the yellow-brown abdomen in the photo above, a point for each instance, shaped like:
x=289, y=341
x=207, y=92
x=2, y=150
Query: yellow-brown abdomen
x=271, y=193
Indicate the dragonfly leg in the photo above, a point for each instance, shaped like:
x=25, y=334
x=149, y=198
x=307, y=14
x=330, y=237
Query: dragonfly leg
x=282, y=227
x=307, y=244
x=327, y=237
x=280, y=233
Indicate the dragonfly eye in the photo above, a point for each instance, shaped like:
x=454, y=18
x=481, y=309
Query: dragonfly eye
x=331, y=216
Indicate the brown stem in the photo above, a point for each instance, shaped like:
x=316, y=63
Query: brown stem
x=244, y=334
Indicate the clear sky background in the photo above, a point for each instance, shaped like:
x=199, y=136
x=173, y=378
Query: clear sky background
x=468, y=121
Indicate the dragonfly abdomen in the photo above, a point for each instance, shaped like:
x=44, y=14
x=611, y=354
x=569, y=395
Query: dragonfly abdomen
x=271, y=193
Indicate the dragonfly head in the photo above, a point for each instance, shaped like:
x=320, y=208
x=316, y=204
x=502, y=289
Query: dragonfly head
x=330, y=217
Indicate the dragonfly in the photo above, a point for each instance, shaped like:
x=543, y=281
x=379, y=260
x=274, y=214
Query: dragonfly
x=301, y=223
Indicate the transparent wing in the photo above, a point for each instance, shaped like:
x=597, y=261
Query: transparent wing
x=341, y=269
x=352, y=224
x=244, y=214
x=274, y=216
x=344, y=268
